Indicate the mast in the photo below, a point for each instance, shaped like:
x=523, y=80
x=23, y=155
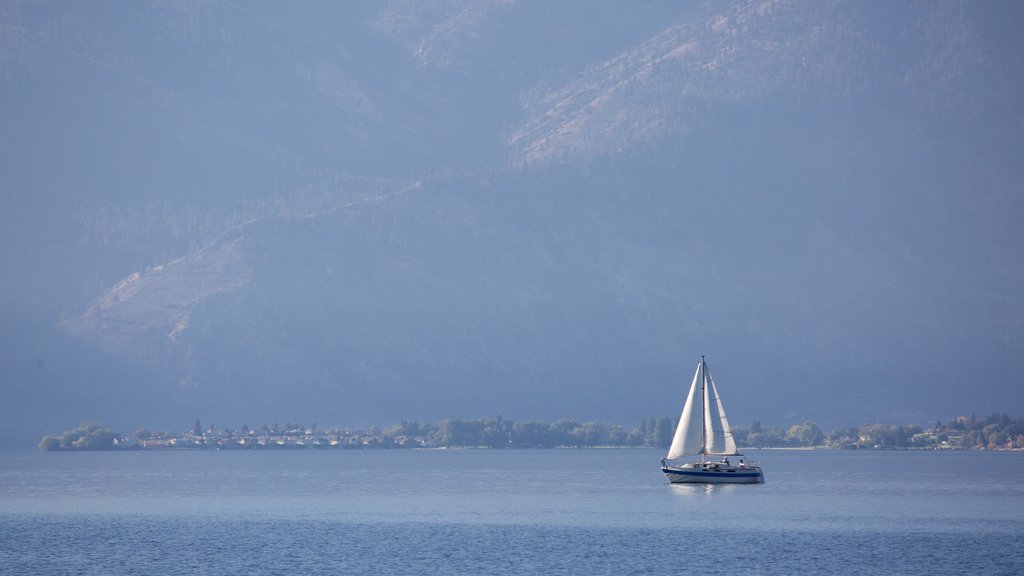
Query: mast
x=703, y=409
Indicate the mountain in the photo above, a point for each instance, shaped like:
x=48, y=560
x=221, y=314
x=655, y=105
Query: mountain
x=359, y=214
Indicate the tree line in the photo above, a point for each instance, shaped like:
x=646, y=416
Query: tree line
x=997, y=432
x=89, y=435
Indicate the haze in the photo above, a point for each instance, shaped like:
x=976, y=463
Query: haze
x=358, y=213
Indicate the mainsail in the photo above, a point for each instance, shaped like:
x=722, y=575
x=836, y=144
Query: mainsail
x=703, y=427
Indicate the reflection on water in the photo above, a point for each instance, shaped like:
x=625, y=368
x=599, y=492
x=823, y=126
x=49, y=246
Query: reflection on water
x=700, y=488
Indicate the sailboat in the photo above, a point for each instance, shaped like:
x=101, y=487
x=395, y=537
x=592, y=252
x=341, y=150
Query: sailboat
x=703, y=431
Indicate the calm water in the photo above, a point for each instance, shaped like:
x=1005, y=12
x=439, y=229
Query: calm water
x=518, y=512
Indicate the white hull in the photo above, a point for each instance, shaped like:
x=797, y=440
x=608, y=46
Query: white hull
x=713, y=473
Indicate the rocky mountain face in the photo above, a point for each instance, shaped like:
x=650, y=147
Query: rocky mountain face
x=364, y=213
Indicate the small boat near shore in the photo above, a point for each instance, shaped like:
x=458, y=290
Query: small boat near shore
x=703, y=431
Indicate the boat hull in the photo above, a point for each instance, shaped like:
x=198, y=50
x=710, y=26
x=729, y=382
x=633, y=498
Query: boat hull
x=698, y=473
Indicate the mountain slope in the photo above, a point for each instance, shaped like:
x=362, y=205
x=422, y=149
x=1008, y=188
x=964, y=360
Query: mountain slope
x=362, y=213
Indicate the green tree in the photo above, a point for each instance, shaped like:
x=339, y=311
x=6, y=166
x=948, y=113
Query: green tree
x=561, y=432
x=635, y=438
x=793, y=435
x=739, y=435
x=592, y=433
x=530, y=434
x=806, y=434
x=88, y=435
x=900, y=439
x=49, y=443
x=774, y=436
x=842, y=438
x=456, y=432
x=663, y=432
x=996, y=439
x=616, y=435
x=757, y=440
x=494, y=435
x=872, y=435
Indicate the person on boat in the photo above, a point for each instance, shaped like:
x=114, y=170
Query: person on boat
x=725, y=460
x=742, y=465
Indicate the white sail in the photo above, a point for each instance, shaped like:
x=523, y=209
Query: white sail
x=704, y=430
x=718, y=438
x=688, y=440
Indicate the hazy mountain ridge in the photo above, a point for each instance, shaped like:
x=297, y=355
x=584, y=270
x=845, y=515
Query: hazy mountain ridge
x=161, y=299
x=797, y=187
x=745, y=52
x=332, y=297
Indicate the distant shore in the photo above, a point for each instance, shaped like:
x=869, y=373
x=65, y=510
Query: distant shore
x=997, y=432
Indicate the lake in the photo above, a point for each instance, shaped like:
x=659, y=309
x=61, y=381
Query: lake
x=506, y=511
